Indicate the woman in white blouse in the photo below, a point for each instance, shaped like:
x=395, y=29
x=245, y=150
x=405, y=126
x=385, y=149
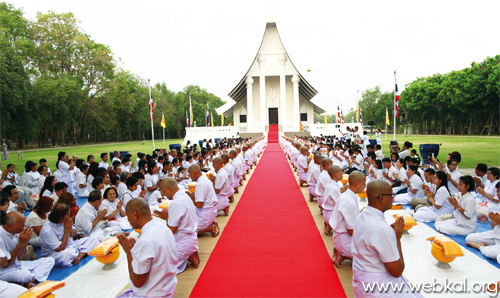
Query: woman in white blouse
x=439, y=200
x=465, y=217
x=37, y=218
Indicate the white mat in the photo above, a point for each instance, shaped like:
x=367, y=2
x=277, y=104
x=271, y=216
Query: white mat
x=420, y=265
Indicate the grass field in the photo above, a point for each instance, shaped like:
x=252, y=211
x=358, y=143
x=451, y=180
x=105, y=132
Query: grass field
x=474, y=149
x=83, y=151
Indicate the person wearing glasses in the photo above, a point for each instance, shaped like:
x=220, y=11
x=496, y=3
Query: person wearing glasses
x=376, y=247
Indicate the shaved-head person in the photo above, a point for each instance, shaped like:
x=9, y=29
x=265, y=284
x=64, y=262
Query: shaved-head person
x=14, y=238
x=376, y=247
x=230, y=170
x=323, y=180
x=205, y=200
x=182, y=221
x=331, y=195
x=237, y=169
x=152, y=259
x=345, y=213
x=313, y=174
x=222, y=185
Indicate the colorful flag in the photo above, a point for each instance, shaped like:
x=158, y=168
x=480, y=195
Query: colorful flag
x=207, y=117
x=396, y=97
x=361, y=116
x=190, y=112
x=387, y=116
x=151, y=108
x=338, y=113
x=187, y=119
x=325, y=116
x=342, y=115
x=222, y=119
x=212, y=118
x=162, y=124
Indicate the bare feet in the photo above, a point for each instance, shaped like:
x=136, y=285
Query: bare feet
x=226, y=211
x=79, y=258
x=194, y=259
x=338, y=258
x=236, y=190
x=231, y=199
x=214, y=229
x=475, y=245
x=29, y=285
x=311, y=198
x=328, y=229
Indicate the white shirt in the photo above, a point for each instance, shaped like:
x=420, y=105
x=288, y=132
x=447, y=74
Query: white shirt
x=323, y=180
x=82, y=179
x=468, y=203
x=331, y=195
x=8, y=243
x=313, y=174
x=416, y=183
x=66, y=176
x=13, y=179
x=30, y=180
x=455, y=175
x=90, y=178
x=373, y=242
x=150, y=180
x=122, y=187
x=182, y=214
x=204, y=192
x=222, y=183
x=103, y=164
x=155, y=252
x=127, y=196
x=346, y=211
x=110, y=206
x=84, y=218
x=441, y=199
x=302, y=163
x=33, y=220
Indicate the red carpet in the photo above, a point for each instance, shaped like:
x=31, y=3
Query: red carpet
x=273, y=134
x=270, y=246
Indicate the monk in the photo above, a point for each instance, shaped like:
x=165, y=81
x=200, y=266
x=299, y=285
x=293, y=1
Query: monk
x=331, y=196
x=222, y=185
x=230, y=170
x=302, y=166
x=152, y=259
x=323, y=180
x=346, y=211
x=312, y=176
x=376, y=247
x=205, y=200
x=182, y=221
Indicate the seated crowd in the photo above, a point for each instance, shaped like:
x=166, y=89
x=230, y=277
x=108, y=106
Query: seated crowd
x=437, y=192
x=39, y=211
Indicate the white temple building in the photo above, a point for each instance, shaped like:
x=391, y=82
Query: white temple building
x=272, y=91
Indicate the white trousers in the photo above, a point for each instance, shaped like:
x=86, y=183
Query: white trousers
x=26, y=271
x=186, y=246
x=66, y=257
x=205, y=217
x=342, y=243
x=451, y=227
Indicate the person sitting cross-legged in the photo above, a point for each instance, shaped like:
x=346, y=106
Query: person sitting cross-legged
x=152, y=259
x=182, y=221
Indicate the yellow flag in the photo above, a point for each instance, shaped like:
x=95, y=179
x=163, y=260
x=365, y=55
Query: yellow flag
x=325, y=117
x=222, y=119
x=387, y=116
x=162, y=124
x=190, y=112
x=212, y=119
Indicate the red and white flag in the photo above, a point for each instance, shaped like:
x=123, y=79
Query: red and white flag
x=207, y=117
x=338, y=113
x=151, y=108
x=361, y=116
x=396, y=98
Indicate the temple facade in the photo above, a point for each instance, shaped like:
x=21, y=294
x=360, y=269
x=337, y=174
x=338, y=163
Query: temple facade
x=272, y=91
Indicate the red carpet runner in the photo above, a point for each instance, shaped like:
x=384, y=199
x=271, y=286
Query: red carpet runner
x=271, y=246
x=272, y=136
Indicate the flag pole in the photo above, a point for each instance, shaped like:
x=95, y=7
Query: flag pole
x=395, y=105
x=151, y=114
x=386, y=117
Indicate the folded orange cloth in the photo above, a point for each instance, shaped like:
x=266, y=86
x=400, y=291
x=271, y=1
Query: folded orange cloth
x=165, y=204
x=450, y=248
x=43, y=289
x=409, y=221
x=104, y=247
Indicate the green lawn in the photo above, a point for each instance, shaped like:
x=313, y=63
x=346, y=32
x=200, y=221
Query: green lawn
x=474, y=149
x=83, y=151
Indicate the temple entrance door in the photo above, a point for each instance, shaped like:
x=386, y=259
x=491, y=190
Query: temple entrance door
x=273, y=115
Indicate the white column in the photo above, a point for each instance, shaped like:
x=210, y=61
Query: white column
x=282, y=120
x=249, y=82
x=262, y=84
x=296, y=112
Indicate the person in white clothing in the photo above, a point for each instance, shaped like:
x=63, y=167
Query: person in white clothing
x=486, y=193
x=182, y=221
x=152, y=259
x=81, y=182
x=66, y=168
x=480, y=171
x=12, y=193
x=389, y=172
x=302, y=166
x=346, y=211
x=376, y=247
x=453, y=174
x=88, y=219
x=8, y=289
x=488, y=243
x=222, y=185
x=14, y=238
x=439, y=200
x=205, y=200
x=104, y=161
x=414, y=185
x=151, y=182
x=312, y=176
x=465, y=217
x=37, y=218
x=378, y=136
x=323, y=180
x=331, y=195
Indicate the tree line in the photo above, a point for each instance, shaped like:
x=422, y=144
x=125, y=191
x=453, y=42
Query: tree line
x=58, y=86
x=460, y=102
